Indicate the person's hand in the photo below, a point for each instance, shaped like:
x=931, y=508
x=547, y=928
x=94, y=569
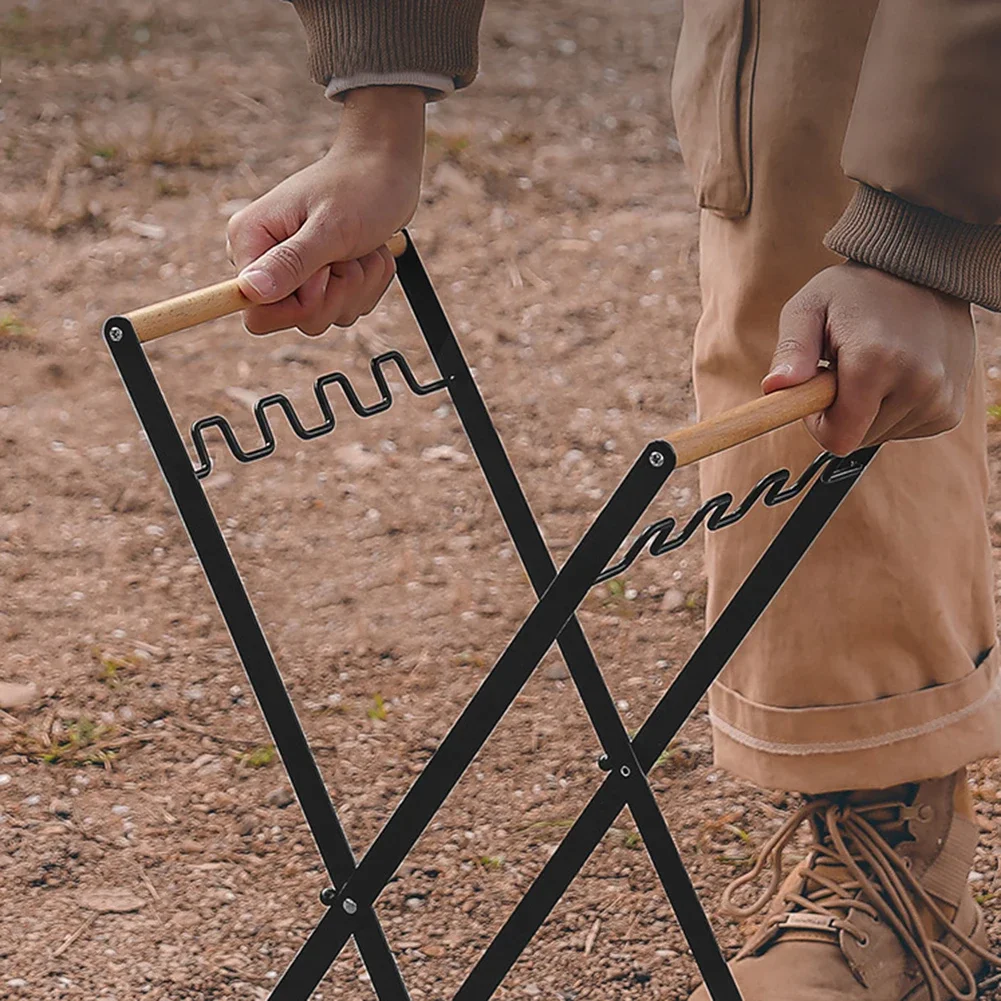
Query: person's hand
x=311, y=252
x=903, y=354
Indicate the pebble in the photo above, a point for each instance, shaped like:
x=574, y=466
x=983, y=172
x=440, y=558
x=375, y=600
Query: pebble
x=4, y=779
x=120, y=810
x=556, y=672
x=16, y=696
x=673, y=601
x=60, y=808
x=280, y=797
x=111, y=900
x=17, y=982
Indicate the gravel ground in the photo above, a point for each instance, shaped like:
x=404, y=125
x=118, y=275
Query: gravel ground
x=149, y=845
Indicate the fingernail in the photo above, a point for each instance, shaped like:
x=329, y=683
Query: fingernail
x=261, y=282
x=783, y=369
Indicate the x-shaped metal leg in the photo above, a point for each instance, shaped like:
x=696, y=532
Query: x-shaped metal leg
x=356, y=887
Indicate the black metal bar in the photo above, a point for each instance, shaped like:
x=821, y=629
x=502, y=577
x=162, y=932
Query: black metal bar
x=552, y=619
x=540, y=568
x=674, y=707
x=251, y=645
x=492, y=699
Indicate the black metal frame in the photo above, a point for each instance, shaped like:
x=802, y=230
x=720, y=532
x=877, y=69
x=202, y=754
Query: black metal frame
x=357, y=885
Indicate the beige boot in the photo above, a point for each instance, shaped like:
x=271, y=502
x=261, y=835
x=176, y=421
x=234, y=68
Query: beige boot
x=880, y=910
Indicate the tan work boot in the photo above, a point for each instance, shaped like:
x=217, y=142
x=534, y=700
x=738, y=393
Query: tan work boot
x=880, y=910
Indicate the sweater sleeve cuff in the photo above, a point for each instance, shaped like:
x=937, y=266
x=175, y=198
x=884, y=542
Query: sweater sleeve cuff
x=416, y=39
x=921, y=245
x=434, y=86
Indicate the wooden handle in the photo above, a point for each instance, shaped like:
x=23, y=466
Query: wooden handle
x=187, y=310
x=749, y=420
x=204, y=304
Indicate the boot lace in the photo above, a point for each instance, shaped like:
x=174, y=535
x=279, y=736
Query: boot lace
x=880, y=884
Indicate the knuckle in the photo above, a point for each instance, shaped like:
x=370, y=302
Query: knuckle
x=787, y=346
x=949, y=412
x=287, y=258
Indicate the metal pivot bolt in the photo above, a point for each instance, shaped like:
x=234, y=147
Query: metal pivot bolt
x=657, y=459
x=116, y=333
x=328, y=895
x=350, y=907
x=604, y=764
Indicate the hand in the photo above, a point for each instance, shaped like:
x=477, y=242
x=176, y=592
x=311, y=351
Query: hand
x=312, y=250
x=903, y=354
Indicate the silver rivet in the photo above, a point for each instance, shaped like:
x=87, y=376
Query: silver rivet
x=116, y=333
x=657, y=459
x=625, y=771
x=350, y=907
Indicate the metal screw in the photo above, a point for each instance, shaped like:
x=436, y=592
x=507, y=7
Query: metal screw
x=350, y=907
x=328, y=895
x=116, y=333
x=657, y=459
x=625, y=771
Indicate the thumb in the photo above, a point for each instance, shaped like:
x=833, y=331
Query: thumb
x=801, y=341
x=284, y=268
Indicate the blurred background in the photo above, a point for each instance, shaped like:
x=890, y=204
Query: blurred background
x=149, y=844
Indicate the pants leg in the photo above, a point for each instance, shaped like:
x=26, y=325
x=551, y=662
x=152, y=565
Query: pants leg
x=875, y=665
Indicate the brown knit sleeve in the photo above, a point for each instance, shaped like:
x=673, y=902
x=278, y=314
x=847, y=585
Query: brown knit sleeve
x=924, y=143
x=366, y=38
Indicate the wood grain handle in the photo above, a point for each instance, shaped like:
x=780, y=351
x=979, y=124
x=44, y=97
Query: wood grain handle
x=204, y=304
x=749, y=420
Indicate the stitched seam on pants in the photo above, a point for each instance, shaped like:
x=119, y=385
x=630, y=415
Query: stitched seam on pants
x=863, y=743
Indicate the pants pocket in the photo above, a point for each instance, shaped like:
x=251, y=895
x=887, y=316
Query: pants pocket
x=711, y=95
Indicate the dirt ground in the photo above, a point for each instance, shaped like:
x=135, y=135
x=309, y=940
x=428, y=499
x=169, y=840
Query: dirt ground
x=148, y=843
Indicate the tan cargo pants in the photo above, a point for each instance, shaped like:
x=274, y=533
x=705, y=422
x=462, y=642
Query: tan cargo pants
x=876, y=664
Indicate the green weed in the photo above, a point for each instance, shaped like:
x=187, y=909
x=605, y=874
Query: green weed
x=258, y=757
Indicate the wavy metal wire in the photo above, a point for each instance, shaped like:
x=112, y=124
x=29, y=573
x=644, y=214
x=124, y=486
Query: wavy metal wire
x=199, y=427
x=660, y=536
x=716, y=514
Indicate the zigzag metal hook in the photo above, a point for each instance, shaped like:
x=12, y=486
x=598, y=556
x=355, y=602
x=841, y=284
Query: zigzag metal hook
x=714, y=513
x=199, y=427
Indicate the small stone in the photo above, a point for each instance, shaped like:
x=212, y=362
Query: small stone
x=190, y=847
x=111, y=900
x=357, y=457
x=120, y=810
x=532, y=990
x=434, y=951
x=280, y=797
x=556, y=672
x=60, y=808
x=673, y=601
x=16, y=696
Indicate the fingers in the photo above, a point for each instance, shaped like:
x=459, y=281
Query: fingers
x=283, y=269
x=800, y=344
x=336, y=296
x=844, y=425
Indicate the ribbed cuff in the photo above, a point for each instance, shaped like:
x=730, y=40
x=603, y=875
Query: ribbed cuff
x=424, y=38
x=921, y=245
x=434, y=87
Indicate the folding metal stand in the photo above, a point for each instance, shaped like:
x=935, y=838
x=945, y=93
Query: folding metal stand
x=356, y=886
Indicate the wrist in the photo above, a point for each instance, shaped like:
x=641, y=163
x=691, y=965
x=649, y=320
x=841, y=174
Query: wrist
x=385, y=118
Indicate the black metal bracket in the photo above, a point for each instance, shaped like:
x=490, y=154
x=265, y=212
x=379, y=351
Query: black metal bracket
x=356, y=886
